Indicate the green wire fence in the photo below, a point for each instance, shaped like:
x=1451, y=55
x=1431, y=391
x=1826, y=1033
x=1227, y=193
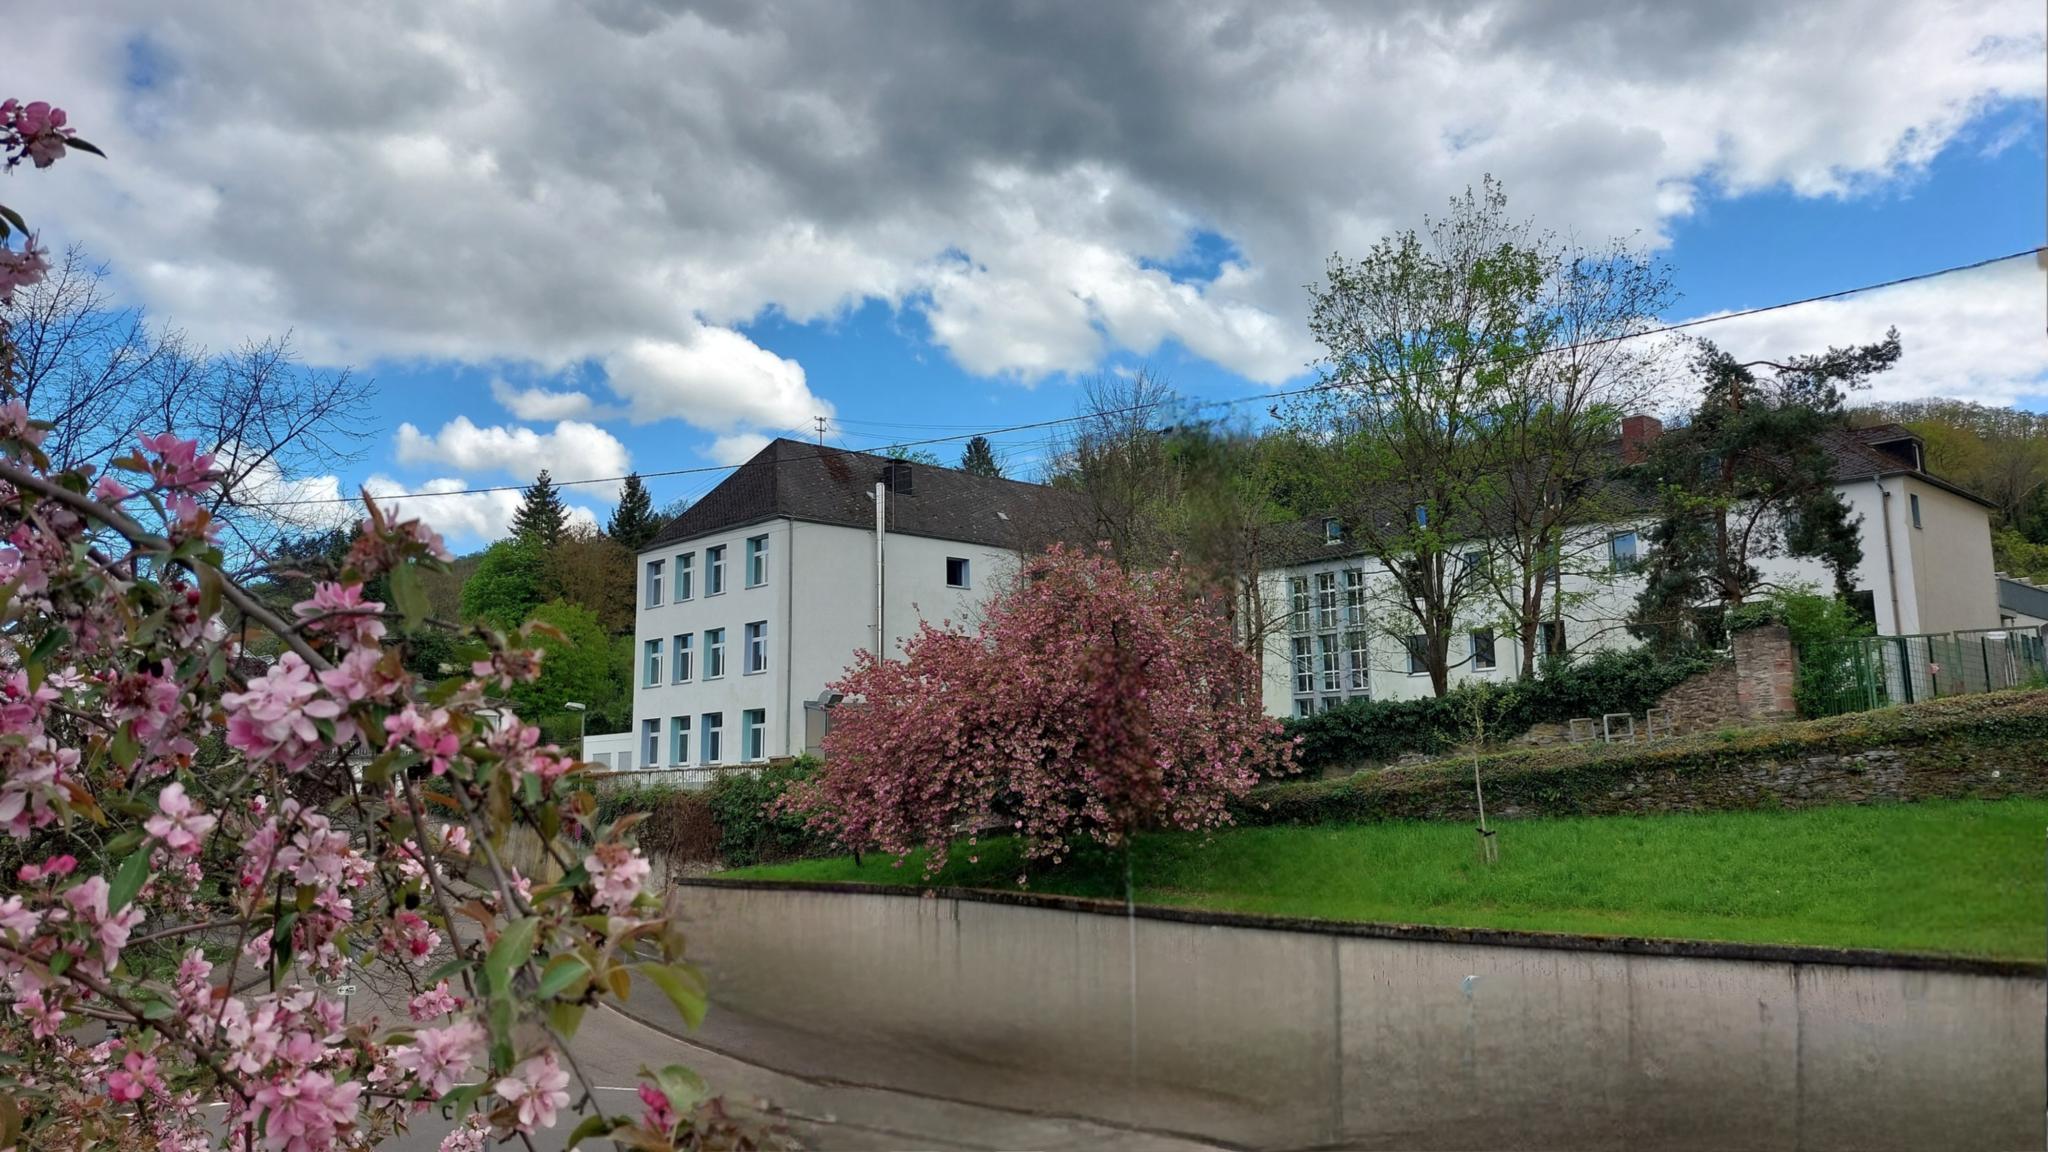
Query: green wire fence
x=1879, y=671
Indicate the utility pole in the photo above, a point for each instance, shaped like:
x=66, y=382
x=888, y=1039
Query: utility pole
x=820, y=420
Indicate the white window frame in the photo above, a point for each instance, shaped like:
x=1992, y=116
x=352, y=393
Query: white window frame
x=679, y=733
x=1304, y=666
x=650, y=663
x=754, y=658
x=1358, y=658
x=1418, y=654
x=966, y=572
x=1616, y=561
x=714, y=570
x=711, y=738
x=1326, y=601
x=681, y=660
x=1333, y=530
x=714, y=653
x=650, y=742
x=753, y=734
x=1329, y=663
x=1492, y=649
x=757, y=561
x=1354, y=597
x=1297, y=602
x=652, y=597
x=686, y=571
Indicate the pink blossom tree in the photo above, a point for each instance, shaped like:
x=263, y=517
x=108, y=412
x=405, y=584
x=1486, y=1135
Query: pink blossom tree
x=200, y=842
x=1089, y=703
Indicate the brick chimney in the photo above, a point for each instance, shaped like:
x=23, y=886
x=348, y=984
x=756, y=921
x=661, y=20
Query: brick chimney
x=1637, y=434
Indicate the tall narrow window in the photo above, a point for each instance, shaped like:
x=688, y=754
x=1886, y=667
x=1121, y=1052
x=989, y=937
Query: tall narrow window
x=754, y=734
x=1330, y=660
x=1326, y=600
x=1913, y=502
x=653, y=676
x=714, y=570
x=1550, y=633
x=680, y=670
x=956, y=572
x=713, y=738
x=1622, y=552
x=1418, y=655
x=714, y=653
x=1482, y=649
x=757, y=561
x=679, y=740
x=1297, y=594
x=650, y=744
x=686, y=572
x=654, y=583
x=1333, y=530
x=756, y=656
x=1354, y=597
x=1360, y=655
x=1304, y=666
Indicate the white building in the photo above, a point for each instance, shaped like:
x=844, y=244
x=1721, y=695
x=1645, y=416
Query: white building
x=1926, y=568
x=762, y=593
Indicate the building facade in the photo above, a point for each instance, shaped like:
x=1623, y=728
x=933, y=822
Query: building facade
x=1926, y=567
x=762, y=593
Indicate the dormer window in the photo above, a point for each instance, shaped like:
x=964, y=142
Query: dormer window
x=1422, y=515
x=1333, y=530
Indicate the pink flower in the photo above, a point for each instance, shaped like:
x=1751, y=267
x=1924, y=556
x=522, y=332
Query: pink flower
x=182, y=825
x=17, y=920
x=410, y=936
x=276, y=720
x=435, y=1001
x=341, y=610
x=88, y=901
x=438, y=1058
x=657, y=1114
x=110, y=490
x=305, y=1111
x=136, y=1075
x=14, y=417
x=49, y=869
x=468, y=1138
x=538, y=1088
x=430, y=735
x=178, y=464
x=616, y=872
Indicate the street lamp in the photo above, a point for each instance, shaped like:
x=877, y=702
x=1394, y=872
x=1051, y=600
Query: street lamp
x=582, y=712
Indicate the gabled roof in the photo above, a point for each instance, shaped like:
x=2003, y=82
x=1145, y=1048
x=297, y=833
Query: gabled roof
x=1861, y=454
x=798, y=481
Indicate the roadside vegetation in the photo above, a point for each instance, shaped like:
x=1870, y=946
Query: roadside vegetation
x=1955, y=877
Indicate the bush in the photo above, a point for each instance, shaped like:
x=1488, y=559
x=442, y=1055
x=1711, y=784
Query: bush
x=1818, y=625
x=1380, y=731
x=748, y=833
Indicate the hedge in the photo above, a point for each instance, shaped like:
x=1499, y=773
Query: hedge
x=1378, y=731
x=726, y=822
x=1988, y=744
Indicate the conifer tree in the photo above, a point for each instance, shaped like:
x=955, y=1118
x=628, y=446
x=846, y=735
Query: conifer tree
x=633, y=523
x=980, y=459
x=541, y=516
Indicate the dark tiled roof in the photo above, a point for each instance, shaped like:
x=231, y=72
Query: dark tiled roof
x=800, y=481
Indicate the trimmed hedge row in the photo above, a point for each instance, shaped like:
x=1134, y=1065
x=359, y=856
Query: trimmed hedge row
x=1991, y=744
x=726, y=822
x=1383, y=730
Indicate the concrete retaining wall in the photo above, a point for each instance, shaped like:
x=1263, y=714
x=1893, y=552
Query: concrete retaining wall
x=1283, y=1037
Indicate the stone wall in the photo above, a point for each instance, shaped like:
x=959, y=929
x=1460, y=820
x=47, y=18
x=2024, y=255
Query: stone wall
x=1754, y=685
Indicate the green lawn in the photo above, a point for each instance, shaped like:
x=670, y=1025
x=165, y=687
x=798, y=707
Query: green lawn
x=1962, y=877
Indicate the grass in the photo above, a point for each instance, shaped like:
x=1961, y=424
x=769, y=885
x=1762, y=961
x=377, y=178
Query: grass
x=1957, y=877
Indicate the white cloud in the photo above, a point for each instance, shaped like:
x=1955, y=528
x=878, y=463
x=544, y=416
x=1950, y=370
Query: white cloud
x=452, y=508
x=573, y=450
x=736, y=448
x=542, y=404
x=1975, y=336
x=714, y=378
x=628, y=182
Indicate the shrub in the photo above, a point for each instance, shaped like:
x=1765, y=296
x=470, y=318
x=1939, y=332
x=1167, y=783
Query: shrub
x=748, y=832
x=1819, y=625
x=1380, y=731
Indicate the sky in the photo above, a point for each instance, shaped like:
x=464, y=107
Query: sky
x=640, y=234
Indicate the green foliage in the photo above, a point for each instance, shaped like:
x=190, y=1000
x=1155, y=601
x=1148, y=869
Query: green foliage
x=507, y=585
x=679, y=827
x=979, y=458
x=1818, y=625
x=2014, y=554
x=542, y=517
x=633, y=522
x=748, y=834
x=576, y=665
x=1380, y=731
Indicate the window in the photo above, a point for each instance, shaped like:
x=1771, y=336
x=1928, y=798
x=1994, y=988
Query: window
x=714, y=571
x=654, y=583
x=1863, y=602
x=1550, y=636
x=1360, y=656
x=1304, y=667
x=1304, y=706
x=756, y=655
x=1913, y=502
x=653, y=676
x=686, y=568
x=1333, y=530
x=1330, y=659
x=714, y=653
x=1326, y=600
x=1418, y=655
x=1354, y=596
x=679, y=739
x=956, y=572
x=754, y=734
x=650, y=743
x=680, y=669
x=1482, y=649
x=1622, y=553
x=1297, y=595
x=713, y=738
x=1422, y=515
x=757, y=561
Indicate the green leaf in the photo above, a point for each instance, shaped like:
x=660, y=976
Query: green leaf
x=591, y=1126
x=566, y=1016
x=683, y=1087
x=514, y=948
x=500, y=1019
x=128, y=880
x=52, y=640
x=125, y=749
x=529, y=787
x=409, y=594
x=14, y=218
x=683, y=985
x=562, y=972
x=82, y=146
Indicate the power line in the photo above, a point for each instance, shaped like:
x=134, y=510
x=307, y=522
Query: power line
x=1260, y=398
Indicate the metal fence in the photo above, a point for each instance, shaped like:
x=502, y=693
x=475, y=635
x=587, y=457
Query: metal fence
x=1880, y=671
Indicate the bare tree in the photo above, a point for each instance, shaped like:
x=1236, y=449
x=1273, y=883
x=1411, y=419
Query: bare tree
x=1116, y=455
x=103, y=375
